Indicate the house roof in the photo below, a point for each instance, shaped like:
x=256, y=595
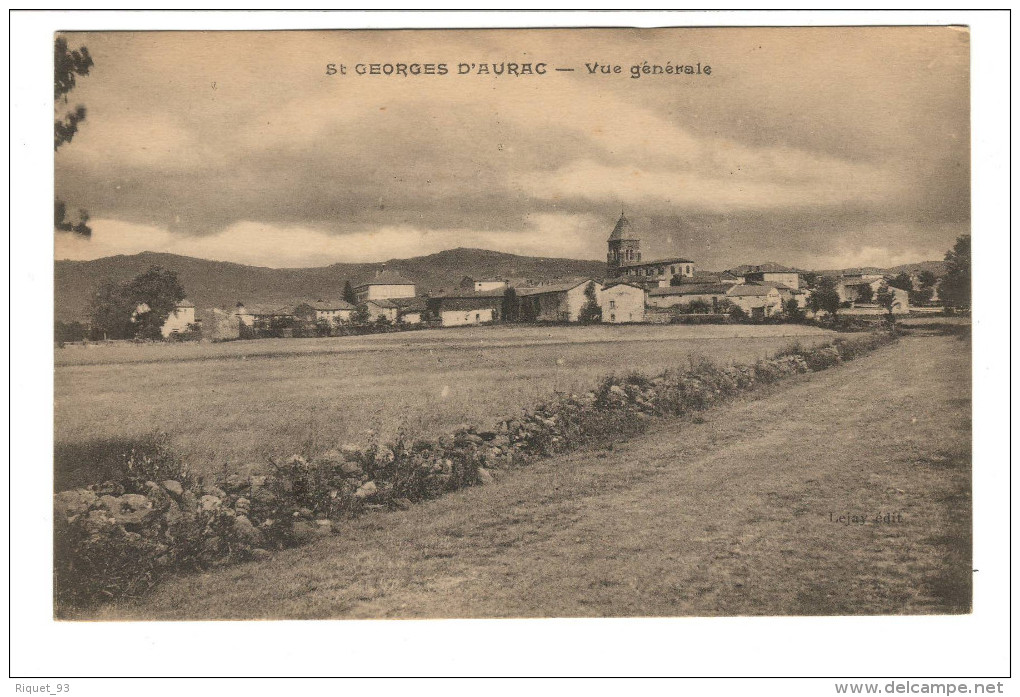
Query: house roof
x=691, y=289
x=657, y=262
x=552, y=288
x=750, y=289
x=461, y=293
x=264, y=310
x=606, y=285
x=622, y=231
x=386, y=277
x=478, y=302
x=384, y=302
x=329, y=305
x=768, y=267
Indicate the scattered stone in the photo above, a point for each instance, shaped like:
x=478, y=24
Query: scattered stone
x=260, y=554
x=209, y=503
x=245, y=531
x=366, y=490
x=485, y=476
x=73, y=503
x=351, y=469
x=174, y=487
x=402, y=504
x=129, y=509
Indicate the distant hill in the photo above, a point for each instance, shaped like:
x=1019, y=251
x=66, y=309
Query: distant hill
x=936, y=267
x=221, y=284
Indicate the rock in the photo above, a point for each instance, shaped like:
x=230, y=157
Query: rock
x=242, y=506
x=212, y=490
x=98, y=521
x=306, y=513
x=383, y=456
x=469, y=438
x=245, y=532
x=402, y=504
x=330, y=458
x=174, y=487
x=234, y=483
x=350, y=451
x=72, y=503
x=211, y=546
x=260, y=554
x=485, y=476
x=351, y=469
x=324, y=526
x=257, y=481
x=209, y=503
x=366, y=490
x=129, y=509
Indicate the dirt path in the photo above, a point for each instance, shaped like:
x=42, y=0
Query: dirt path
x=738, y=515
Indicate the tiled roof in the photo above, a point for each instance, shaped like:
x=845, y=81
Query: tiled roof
x=551, y=288
x=330, y=305
x=264, y=310
x=691, y=289
x=749, y=289
x=386, y=278
x=657, y=262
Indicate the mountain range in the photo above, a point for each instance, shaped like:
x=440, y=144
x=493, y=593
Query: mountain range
x=222, y=284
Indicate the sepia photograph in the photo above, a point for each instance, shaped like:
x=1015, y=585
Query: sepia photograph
x=512, y=323
x=509, y=343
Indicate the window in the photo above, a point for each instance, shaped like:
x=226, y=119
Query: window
x=478, y=317
x=612, y=318
x=612, y=304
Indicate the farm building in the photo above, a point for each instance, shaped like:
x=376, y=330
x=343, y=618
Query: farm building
x=773, y=273
x=384, y=285
x=259, y=320
x=409, y=310
x=622, y=302
x=757, y=300
x=555, y=302
x=330, y=311
x=483, y=284
x=179, y=319
x=686, y=293
x=382, y=307
x=457, y=308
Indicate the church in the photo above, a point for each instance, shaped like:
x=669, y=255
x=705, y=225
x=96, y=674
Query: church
x=624, y=259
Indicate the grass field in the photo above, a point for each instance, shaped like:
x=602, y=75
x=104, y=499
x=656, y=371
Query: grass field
x=738, y=515
x=237, y=404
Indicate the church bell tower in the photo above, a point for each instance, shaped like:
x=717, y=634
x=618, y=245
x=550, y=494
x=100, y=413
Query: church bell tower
x=624, y=248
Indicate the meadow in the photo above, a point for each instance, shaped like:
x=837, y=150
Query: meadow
x=741, y=512
x=233, y=406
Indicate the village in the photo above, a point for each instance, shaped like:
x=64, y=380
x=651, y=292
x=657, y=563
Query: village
x=632, y=291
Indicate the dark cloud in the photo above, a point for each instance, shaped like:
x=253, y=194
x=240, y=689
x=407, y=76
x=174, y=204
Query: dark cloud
x=803, y=144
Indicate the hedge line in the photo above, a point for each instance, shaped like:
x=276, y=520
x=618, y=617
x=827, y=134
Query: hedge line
x=118, y=538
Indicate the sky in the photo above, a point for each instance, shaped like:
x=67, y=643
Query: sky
x=812, y=147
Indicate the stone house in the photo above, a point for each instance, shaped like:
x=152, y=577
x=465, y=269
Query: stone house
x=384, y=285
x=560, y=302
x=622, y=302
x=758, y=301
x=686, y=293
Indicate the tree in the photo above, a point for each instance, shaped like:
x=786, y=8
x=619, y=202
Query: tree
x=792, y=309
x=926, y=279
x=885, y=297
x=824, y=297
x=810, y=278
x=67, y=66
x=865, y=293
x=137, y=308
x=954, y=290
x=591, y=311
x=349, y=296
x=510, y=310
x=361, y=315
x=902, y=281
